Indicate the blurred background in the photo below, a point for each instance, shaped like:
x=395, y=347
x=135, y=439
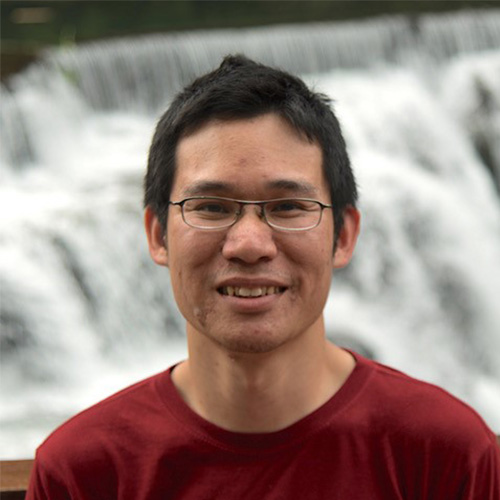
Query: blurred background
x=416, y=86
x=30, y=26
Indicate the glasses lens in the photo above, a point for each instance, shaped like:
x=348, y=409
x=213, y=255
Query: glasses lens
x=293, y=214
x=208, y=213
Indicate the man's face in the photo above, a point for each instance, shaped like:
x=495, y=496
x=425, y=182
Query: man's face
x=252, y=159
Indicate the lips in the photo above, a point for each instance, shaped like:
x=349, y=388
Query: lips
x=250, y=291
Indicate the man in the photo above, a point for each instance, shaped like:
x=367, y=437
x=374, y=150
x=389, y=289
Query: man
x=251, y=204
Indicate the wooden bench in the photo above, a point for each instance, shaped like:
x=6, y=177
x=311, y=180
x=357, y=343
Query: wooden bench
x=14, y=478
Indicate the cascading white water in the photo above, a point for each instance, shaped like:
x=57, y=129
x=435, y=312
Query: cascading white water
x=84, y=311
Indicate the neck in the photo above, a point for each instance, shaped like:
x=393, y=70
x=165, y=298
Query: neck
x=262, y=392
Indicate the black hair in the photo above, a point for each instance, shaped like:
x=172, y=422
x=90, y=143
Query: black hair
x=241, y=88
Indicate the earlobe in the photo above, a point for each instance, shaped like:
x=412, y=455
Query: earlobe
x=347, y=239
x=155, y=236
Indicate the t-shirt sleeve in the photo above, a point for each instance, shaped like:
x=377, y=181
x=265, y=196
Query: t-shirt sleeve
x=43, y=486
x=484, y=480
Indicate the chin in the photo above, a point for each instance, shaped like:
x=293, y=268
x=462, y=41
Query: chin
x=257, y=343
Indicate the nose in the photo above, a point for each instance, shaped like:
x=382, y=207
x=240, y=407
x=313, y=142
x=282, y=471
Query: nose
x=250, y=239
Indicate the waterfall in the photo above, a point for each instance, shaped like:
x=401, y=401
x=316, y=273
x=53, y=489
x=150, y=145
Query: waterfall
x=83, y=309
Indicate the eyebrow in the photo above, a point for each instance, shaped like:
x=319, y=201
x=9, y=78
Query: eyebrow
x=201, y=188
x=297, y=187
x=207, y=187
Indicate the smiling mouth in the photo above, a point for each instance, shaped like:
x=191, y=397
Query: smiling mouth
x=250, y=292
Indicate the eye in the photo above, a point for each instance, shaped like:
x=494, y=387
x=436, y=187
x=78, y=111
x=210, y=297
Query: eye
x=289, y=208
x=213, y=207
x=209, y=208
x=287, y=205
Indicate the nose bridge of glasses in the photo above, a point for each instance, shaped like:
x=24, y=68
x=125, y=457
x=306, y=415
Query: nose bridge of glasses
x=259, y=207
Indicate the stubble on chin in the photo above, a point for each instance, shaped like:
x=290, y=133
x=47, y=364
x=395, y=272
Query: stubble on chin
x=243, y=338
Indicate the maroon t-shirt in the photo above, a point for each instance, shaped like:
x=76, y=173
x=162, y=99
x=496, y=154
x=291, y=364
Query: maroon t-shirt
x=383, y=435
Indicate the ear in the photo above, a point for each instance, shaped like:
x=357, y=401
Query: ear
x=156, y=239
x=347, y=238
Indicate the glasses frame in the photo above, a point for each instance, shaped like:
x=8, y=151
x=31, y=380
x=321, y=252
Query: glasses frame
x=242, y=203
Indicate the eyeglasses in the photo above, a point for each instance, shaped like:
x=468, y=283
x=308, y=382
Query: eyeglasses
x=284, y=214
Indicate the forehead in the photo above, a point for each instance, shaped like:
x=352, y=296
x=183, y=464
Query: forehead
x=248, y=158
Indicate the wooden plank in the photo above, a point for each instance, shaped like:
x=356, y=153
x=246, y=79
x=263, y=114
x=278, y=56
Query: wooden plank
x=14, y=476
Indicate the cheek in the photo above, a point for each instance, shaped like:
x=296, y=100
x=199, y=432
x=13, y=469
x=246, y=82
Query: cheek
x=189, y=248
x=191, y=258
x=189, y=294
x=315, y=255
x=311, y=267
x=321, y=264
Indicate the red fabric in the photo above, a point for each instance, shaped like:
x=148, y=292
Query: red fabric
x=383, y=436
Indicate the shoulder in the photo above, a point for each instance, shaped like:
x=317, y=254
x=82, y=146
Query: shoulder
x=95, y=433
x=426, y=439
x=425, y=413
x=116, y=442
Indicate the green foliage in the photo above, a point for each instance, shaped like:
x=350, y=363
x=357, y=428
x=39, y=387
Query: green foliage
x=101, y=19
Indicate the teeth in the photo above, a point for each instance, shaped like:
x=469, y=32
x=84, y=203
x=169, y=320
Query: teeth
x=243, y=292
x=250, y=292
